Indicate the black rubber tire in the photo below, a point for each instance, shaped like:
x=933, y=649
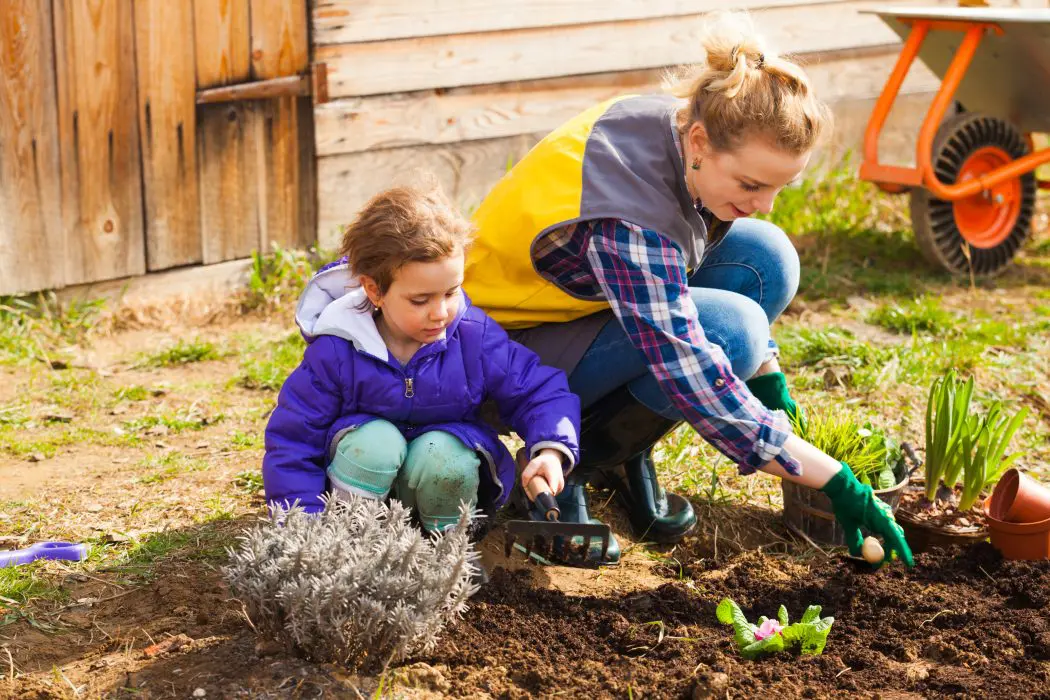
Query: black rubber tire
x=933, y=219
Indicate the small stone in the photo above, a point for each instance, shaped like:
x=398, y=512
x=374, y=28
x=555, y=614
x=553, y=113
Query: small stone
x=964, y=522
x=57, y=415
x=268, y=647
x=93, y=508
x=200, y=693
x=37, y=457
x=711, y=685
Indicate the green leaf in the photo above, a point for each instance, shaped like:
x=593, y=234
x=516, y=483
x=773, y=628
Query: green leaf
x=769, y=645
x=782, y=616
x=816, y=636
x=729, y=613
x=812, y=613
x=887, y=479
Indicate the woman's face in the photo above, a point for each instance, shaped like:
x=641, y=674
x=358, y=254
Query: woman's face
x=738, y=183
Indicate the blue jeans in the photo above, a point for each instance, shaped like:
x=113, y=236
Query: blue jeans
x=743, y=284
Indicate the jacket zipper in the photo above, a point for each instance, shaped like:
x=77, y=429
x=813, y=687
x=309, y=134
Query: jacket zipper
x=409, y=391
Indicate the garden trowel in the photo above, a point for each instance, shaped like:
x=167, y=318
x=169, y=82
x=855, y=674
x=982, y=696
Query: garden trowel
x=546, y=535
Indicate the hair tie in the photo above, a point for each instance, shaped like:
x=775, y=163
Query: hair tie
x=760, y=61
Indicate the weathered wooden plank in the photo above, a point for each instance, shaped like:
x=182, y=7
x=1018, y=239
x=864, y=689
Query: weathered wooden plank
x=476, y=59
x=227, y=145
x=167, y=115
x=222, y=40
x=466, y=171
x=31, y=236
x=279, y=40
x=98, y=139
x=280, y=48
x=493, y=111
x=348, y=21
x=307, y=234
x=281, y=162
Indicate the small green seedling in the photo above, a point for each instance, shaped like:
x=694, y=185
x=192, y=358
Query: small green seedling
x=771, y=636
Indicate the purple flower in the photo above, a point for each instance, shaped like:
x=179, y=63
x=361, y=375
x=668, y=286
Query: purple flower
x=768, y=629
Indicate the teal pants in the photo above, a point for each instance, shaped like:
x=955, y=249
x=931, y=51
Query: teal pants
x=432, y=474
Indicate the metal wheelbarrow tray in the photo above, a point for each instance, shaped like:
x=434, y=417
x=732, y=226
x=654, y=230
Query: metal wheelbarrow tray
x=973, y=186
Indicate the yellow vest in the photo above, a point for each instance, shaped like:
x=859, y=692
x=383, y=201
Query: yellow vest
x=614, y=160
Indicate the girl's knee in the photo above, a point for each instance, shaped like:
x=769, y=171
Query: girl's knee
x=367, y=459
x=440, y=456
x=440, y=474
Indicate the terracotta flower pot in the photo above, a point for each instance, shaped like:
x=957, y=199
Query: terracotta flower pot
x=1020, y=540
x=1018, y=498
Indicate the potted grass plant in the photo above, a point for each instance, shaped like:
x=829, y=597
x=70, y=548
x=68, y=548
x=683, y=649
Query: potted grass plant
x=965, y=457
x=873, y=456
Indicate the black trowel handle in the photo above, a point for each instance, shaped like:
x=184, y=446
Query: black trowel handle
x=539, y=492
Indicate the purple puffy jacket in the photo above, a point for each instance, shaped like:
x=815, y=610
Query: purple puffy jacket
x=348, y=378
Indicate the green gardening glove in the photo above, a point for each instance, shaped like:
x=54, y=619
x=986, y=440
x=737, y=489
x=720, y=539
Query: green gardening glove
x=772, y=390
x=856, y=505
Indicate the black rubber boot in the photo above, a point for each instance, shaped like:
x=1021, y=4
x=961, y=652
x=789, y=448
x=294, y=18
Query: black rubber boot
x=616, y=441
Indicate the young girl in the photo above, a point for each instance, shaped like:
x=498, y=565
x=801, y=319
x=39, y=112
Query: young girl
x=388, y=395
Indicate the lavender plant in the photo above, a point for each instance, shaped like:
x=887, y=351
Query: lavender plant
x=357, y=584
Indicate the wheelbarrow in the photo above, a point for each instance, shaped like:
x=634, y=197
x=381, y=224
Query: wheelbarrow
x=974, y=183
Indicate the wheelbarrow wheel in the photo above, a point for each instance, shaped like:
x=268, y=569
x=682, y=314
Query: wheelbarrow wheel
x=988, y=227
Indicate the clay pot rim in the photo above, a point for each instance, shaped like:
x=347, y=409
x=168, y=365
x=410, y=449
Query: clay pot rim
x=1014, y=528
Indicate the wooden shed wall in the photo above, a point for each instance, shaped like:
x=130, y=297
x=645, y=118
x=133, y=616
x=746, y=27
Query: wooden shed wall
x=108, y=166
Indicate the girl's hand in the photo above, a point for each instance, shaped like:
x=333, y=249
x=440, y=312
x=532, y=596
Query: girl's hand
x=548, y=465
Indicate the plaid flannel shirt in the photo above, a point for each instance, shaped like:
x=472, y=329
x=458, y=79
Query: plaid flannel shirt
x=643, y=277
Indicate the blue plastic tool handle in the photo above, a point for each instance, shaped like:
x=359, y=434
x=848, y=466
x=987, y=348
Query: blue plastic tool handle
x=66, y=551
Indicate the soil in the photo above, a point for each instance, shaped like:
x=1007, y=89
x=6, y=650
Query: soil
x=962, y=623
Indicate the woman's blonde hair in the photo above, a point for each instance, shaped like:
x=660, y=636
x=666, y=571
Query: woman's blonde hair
x=743, y=89
x=403, y=225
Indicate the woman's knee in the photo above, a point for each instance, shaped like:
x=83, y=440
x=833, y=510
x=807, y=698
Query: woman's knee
x=783, y=278
x=744, y=336
x=768, y=251
x=367, y=459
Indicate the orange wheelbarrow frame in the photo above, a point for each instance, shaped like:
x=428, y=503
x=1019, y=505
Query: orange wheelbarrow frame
x=896, y=179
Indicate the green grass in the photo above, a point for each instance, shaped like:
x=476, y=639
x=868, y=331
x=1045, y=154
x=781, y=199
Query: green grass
x=175, y=423
x=268, y=367
x=132, y=393
x=22, y=587
x=278, y=277
x=250, y=481
x=39, y=327
x=169, y=466
x=922, y=315
x=59, y=435
x=246, y=441
x=804, y=347
x=205, y=543
x=181, y=353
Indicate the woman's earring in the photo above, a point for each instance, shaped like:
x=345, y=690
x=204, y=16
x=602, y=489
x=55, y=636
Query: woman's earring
x=696, y=163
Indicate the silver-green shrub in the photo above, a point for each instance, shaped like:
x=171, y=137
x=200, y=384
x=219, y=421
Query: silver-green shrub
x=357, y=584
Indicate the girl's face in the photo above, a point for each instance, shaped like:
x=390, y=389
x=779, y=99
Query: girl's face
x=738, y=183
x=422, y=300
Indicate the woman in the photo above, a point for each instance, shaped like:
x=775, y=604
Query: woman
x=620, y=250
